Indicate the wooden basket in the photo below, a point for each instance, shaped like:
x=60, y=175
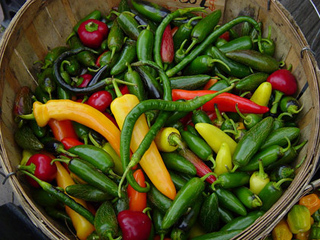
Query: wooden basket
x=42, y=25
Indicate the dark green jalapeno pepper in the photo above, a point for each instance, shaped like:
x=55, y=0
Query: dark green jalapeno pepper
x=184, y=199
x=220, y=84
x=225, y=215
x=279, y=122
x=177, y=180
x=150, y=10
x=242, y=222
x=189, y=82
x=128, y=24
x=39, y=132
x=249, y=120
x=82, y=131
x=271, y=193
x=157, y=217
x=231, y=180
x=176, y=162
x=254, y=59
x=268, y=156
x=63, y=93
x=127, y=56
x=220, y=235
x=137, y=89
x=40, y=95
x=252, y=81
x=94, y=155
x=251, y=142
x=200, y=116
x=220, y=41
x=44, y=198
x=122, y=203
x=180, y=53
x=282, y=171
x=89, y=173
x=240, y=43
x=183, y=33
x=58, y=214
x=248, y=198
x=26, y=139
x=204, y=27
x=72, y=66
x=87, y=193
x=203, y=64
x=290, y=104
x=105, y=221
x=52, y=55
x=46, y=81
x=115, y=38
x=209, y=217
x=158, y=200
x=96, y=14
x=280, y=136
x=229, y=201
x=233, y=68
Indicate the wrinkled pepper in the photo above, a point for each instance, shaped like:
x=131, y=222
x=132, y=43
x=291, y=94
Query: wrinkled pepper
x=311, y=201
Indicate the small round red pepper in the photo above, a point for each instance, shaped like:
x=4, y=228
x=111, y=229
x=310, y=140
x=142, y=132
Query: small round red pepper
x=134, y=225
x=40, y=165
x=92, y=33
x=284, y=81
x=100, y=100
x=86, y=79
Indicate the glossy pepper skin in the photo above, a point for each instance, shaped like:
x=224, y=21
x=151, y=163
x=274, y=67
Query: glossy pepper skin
x=92, y=32
x=134, y=225
x=299, y=219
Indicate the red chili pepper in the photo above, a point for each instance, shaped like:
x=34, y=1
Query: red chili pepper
x=92, y=32
x=134, y=225
x=284, y=81
x=167, y=47
x=124, y=89
x=40, y=165
x=100, y=100
x=226, y=102
x=86, y=79
x=225, y=36
x=137, y=200
x=62, y=129
x=69, y=142
x=201, y=167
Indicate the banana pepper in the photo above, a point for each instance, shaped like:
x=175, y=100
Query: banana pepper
x=79, y=112
x=262, y=94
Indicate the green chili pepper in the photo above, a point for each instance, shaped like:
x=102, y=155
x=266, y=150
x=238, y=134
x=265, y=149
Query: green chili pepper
x=251, y=142
x=128, y=24
x=204, y=27
x=87, y=193
x=94, y=155
x=157, y=217
x=105, y=221
x=138, y=87
x=64, y=198
x=209, y=216
x=173, y=119
x=63, y=93
x=82, y=131
x=189, y=82
x=234, y=68
x=52, y=55
x=209, y=40
x=252, y=81
x=229, y=201
x=248, y=198
x=41, y=96
x=315, y=231
x=122, y=203
x=290, y=104
x=177, y=180
x=229, y=180
x=144, y=21
x=242, y=222
x=316, y=216
x=184, y=199
x=200, y=116
x=115, y=38
x=271, y=193
x=201, y=65
x=225, y=215
x=58, y=214
x=96, y=14
x=282, y=171
x=180, y=54
x=150, y=10
x=44, y=198
x=254, y=59
x=279, y=122
x=280, y=136
x=46, y=81
x=176, y=162
x=240, y=43
x=127, y=56
x=158, y=200
x=87, y=172
x=39, y=132
x=73, y=66
x=26, y=139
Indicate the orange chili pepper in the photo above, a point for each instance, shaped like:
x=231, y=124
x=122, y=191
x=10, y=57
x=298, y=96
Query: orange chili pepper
x=62, y=129
x=137, y=200
x=311, y=201
x=210, y=83
x=64, y=109
x=82, y=226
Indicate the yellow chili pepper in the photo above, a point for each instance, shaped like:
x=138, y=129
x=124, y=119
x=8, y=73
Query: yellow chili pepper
x=63, y=109
x=162, y=139
x=262, y=94
x=281, y=231
x=311, y=201
x=214, y=136
x=82, y=226
x=151, y=162
x=26, y=154
x=223, y=160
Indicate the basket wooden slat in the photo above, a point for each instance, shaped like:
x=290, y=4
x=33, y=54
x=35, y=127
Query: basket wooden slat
x=42, y=25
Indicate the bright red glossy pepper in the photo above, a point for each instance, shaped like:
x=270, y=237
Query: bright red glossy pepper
x=100, y=100
x=40, y=165
x=86, y=79
x=167, y=47
x=92, y=33
x=137, y=200
x=134, y=225
x=69, y=142
x=62, y=129
x=226, y=102
x=284, y=81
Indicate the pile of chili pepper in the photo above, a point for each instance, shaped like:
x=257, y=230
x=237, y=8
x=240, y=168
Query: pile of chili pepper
x=158, y=124
x=302, y=221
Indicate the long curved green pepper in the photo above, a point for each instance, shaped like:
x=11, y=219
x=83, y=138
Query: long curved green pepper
x=163, y=25
x=209, y=40
x=159, y=104
x=154, y=129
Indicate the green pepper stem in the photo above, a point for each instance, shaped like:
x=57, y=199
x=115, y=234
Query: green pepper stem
x=256, y=202
x=278, y=184
x=29, y=168
x=219, y=120
x=27, y=116
x=261, y=174
x=116, y=89
x=203, y=178
x=289, y=145
x=275, y=104
x=94, y=142
x=64, y=160
x=211, y=159
x=192, y=19
x=301, y=162
x=298, y=147
x=192, y=44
